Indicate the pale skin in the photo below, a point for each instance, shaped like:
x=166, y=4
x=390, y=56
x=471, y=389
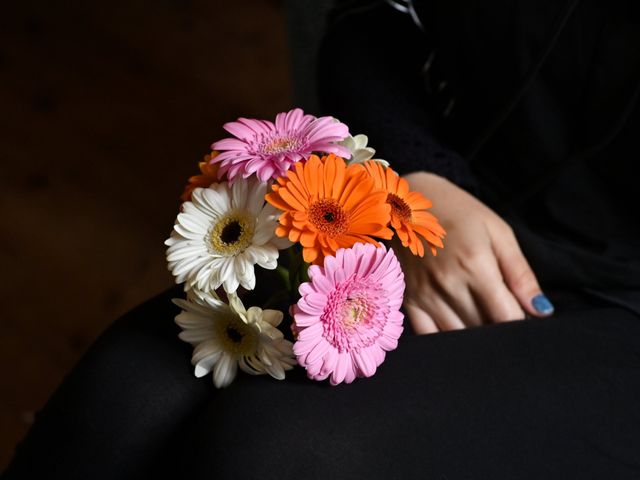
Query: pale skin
x=481, y=276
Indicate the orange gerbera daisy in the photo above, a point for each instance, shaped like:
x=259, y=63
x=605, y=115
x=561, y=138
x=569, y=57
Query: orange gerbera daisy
x=208, y=175
x=409, y=217
x=328, y=205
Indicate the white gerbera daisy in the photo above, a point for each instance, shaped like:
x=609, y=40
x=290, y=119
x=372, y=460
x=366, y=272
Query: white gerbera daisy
x=227, y=336
x=221, y=234
x=360, y=153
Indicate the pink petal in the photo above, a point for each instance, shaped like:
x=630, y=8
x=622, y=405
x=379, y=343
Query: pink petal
x=351, y=374
x=313, y=332
x=388, y=343
x=365, y=363
x=307, y=288
x=318, y=352
x=259, y=127
x=238, y=130
x=378, y=354
x=316, y=300
x=229, y=144
x=338, y=150
x=280, y=122
x=323, y=284
x=330, y=362
x=306, y=319
x=301, y=348
x=342, y=365
x=393, y=330
x=295, y=119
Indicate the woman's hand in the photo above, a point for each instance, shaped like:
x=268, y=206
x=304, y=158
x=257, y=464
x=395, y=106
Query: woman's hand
x=480, y=276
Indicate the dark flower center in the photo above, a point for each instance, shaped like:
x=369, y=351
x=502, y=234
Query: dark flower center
x=234, y=335
x=328, y=217
x=399, y=207
x=231, y=232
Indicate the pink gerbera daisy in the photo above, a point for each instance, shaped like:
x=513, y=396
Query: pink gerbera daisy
x=269, y=150
x=349, y=314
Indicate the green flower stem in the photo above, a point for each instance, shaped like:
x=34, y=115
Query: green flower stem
x=291, y=273
x=285, y=276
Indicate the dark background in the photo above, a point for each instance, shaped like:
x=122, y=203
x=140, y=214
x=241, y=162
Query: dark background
x=105, y=110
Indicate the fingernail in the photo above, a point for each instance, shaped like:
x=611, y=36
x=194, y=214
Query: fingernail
x=542, y=304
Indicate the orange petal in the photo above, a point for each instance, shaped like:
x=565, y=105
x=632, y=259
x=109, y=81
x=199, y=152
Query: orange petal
x=309, y=254
x=292, y=200
x=417, y=201
x=332, y=244
x=361, y=188
x=375, y=170
x=281, y=231
x=339, y=178
x=402, y=187
x=277, y=201
x=298, y=183
x=429, y=236
x=308, y=238
x=329, y=174
x=392, y=181
x=294, y=235
x=311, y=177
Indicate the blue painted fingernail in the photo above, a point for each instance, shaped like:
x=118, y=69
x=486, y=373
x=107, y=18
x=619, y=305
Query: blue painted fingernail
x=542, y=304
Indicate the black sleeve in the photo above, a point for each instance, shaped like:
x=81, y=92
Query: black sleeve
x=370, y=65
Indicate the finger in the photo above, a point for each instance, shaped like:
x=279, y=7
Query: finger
x=420, y=320
x=441, y=312
x=518, y=276
x=494, y=299
x=498, y=303
x=466, y=307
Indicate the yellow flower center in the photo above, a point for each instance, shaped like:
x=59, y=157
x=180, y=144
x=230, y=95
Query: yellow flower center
x=232, y=233
x=328, y=217
x=399, y=207
x=355, y=311
x=279, y=145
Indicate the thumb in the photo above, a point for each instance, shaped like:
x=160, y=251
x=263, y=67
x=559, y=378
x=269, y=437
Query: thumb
x=519, y=277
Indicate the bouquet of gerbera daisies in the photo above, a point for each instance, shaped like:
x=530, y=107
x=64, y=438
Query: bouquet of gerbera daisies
x=304, y=185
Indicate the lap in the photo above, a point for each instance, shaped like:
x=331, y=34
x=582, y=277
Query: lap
x=542, y=398
x=551, y=398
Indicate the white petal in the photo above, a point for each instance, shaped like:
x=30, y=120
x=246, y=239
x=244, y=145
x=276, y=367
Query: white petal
x=214, y=200
x=255, y=199
x=224, y=371
x=231, y=284
x=239, y=195
x=195, y=223
x=204, y=366
x=275, y=370
x=236, y=304
x=272, y=317
x=175, y=253
x=360, y=141
x=185, y=233
x=204, y=350
x=249, y=281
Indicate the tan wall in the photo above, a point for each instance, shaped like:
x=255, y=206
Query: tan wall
x=105, y=109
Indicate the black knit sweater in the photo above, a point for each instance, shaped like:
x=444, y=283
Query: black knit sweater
x=530, y=105
x=371, y=78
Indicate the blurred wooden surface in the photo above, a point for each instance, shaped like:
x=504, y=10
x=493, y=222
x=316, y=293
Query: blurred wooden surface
x=106, y=108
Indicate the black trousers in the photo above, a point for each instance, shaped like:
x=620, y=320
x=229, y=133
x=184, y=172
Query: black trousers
x=551, y=398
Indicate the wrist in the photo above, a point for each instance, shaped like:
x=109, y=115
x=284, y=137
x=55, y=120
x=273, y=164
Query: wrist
x=426, y=181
